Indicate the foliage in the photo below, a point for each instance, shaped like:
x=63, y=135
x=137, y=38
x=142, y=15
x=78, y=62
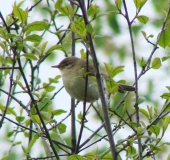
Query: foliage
x=27, y=101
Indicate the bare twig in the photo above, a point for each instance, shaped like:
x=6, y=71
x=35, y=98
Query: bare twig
x=99, y=82
x=136, y=78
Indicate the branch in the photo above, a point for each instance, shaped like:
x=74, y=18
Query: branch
x=136, y=77
x=99, y=82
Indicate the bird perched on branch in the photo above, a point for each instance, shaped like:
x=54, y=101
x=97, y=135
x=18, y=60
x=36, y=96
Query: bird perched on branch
x=74, y=72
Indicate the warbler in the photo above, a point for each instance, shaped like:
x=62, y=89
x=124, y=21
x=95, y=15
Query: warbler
x=73, y=73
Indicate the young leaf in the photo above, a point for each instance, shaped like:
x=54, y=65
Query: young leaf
x=137, y=3
x=36, y=119
x=112, y=86
x=50, y=88
x=113, y=71
x=155, y=130
x=20, y=119
x=144, y=112
x=62, y=128
x=131, y=150
x=55, y=47
x=165, y=58
x=164, y=39
x=144, y=34
x=165, y=96
x=37, y=26
x=20, y=13
x=58, y=4
x=43, y=46
x=165, y=124
x=75, y=157
x=32, y=142
x=156, y=64
x=143, y=19
x=30, y=56
x=33, y=38
x=142, y=62
x=58, y=112
x=118, y=4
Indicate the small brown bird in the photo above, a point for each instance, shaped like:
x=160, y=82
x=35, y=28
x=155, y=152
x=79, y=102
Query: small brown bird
x=73, y=73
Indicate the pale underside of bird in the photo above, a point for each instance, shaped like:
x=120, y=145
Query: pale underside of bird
x=80, y=81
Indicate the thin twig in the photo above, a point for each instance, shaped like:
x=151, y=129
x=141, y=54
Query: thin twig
x=136, y=77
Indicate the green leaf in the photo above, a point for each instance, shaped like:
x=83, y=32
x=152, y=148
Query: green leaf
x=30, y=56
x=2, y=45
x=33, y=38
x=93, y=10
x=24, y=150
x=19, y=83
x=118, y=4
x=168, y=87
x=20, y=119
x=142, y=2
x=43, y=47
x=50, y=88
x=66, y=11
x=56, y=47
x=165, y=96
x=37, y=26
x=144, y=34
x=17, y=143
x=165, y=124
x=58, y=4
x=154, y=147
x=112, y=86
x=58, y=112
x=32, y=142
x=140, y=130
x=142, y=62
x=62, y=128
x=5, y=158
x=154, y=129
x=9, y=134
x=10, y=110
x=36, y=119
x=156, y=64
x=113, y=71
x=164, y=13
x=79, y=28
x=89, y=29
x=55, y=79
x=165, y=58
x=143, y=19
x=75, y=157
x=164, y=39
x=144, y=112
x=20, y=14
x=133, y=124
x=131, y=150
x=139, y=3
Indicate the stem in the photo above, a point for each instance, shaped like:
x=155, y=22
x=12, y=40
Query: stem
x=136, y=77
x=100, y=85
x=73, y=119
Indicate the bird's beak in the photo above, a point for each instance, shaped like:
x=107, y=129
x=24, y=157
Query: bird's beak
x=57, y=66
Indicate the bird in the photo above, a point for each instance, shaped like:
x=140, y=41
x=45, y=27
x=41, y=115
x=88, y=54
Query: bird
x=73, y=73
